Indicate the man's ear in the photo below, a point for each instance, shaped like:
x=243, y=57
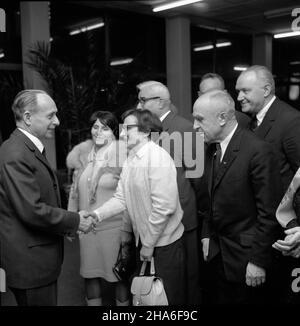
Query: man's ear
x=267, y=90
x=27, y=118
x=222, y=118
x=161, y=104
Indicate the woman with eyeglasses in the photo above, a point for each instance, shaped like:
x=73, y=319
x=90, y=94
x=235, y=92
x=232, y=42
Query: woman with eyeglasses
x=94, y=184
x=147, y=189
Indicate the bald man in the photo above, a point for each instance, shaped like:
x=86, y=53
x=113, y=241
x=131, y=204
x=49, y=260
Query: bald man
x=155, y=97
x=239, y=229
x=212, y=81
x=209, y=82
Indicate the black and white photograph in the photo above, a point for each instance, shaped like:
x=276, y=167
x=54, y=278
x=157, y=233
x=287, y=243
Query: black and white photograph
x=150, y=156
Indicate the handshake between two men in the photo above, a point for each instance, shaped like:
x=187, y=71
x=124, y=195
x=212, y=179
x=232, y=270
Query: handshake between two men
x=88, y=221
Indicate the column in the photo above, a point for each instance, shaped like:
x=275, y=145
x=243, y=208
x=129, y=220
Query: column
x=178, y=55
x=35, y=26
x=262, y=50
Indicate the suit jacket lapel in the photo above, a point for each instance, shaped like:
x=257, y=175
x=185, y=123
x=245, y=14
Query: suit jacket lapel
x=229, y=156
x=268, y=120
x=41, y=158
x=209, y=166
x=167, y=122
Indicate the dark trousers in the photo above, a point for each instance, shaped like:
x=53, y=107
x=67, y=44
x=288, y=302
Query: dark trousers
x=169, y=262
x=42, y=296
x=192, y=273
x=222, y=291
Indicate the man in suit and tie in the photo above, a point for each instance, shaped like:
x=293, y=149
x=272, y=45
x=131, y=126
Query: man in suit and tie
x=273, y=120
x=238, y=230
x=32, y=224
x=155, y=97
x=279, y=124
x=212, y=81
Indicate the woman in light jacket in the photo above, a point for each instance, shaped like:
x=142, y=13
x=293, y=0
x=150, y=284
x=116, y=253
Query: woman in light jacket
x=147, y=189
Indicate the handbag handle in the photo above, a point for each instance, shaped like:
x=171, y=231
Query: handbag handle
x=143, y=268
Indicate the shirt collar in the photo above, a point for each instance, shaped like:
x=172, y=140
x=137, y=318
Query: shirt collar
x=162, y=118
x=34, y=139
x=261, y=114
x=224, y=143
x=139, y=150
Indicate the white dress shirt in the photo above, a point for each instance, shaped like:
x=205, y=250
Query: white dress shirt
x=34, y=139
x=261, y=114
x=224, y=143
x=163, y=117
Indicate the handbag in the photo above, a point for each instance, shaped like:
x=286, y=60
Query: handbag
x=148, y=290
x=126, y=262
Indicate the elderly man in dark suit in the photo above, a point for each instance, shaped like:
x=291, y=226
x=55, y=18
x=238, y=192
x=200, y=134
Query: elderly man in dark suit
x=32, y=224
x=279, y=124
x=239, y=228
x=155, y=97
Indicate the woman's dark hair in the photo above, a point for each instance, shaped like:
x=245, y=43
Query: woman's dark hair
x=107, y=119
x=147, y=121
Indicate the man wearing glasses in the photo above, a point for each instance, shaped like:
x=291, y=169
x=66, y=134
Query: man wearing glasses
x=155, y=97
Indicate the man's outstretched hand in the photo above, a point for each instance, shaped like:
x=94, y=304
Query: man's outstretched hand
x=87, y=222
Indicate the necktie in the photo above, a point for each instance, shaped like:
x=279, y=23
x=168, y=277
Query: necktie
x=217, y=159
x=253, y=123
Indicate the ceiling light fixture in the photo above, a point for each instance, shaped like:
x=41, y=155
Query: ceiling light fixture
x=223, y=44
x=86, y=28
x=240, y=68
x=174, y=4
x=203, y=48
x=119, y=62
x=213, y=28
x=288, y=34
x=2, y=55
x=294, y=63
x=210, y=46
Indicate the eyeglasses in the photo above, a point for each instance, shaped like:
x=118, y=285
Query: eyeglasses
x=143, y=100
x=127, y=127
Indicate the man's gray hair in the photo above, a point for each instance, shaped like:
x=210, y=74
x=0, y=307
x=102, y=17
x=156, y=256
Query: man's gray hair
x=264, y=74
x=156, y=88
x=225, y=101
x=148, y=83
x=25, y=100
x=212, y=75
